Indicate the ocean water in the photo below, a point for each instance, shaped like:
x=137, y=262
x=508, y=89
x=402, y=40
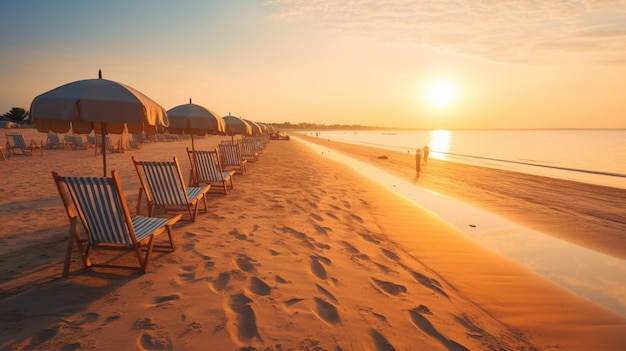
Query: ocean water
x=596, y=156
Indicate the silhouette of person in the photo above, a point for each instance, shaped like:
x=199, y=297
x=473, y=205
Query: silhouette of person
x=426, y=152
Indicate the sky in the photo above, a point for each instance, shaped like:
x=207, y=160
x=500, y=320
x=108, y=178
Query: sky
x=450, y=64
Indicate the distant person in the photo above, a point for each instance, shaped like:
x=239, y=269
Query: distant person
x=426, y=152
x=418, y=161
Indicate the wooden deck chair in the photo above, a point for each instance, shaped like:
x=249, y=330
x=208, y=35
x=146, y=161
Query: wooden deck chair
x=53, y=141
x=206, y=168
x=16, y=142
x=100, y=205
x=232, y=158
x=249, y=150
x=163, y=185
x=77, y=142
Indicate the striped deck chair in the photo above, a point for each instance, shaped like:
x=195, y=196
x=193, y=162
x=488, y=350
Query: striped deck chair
x=100, y=205
x=232, y=158
x=16, y=142
x=163, y=185
x=249, y=150
x=206, y=168
x=53, y=141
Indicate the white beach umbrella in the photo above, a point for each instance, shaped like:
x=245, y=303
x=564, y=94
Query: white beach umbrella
x=256, y=128
x=195, y=119
x=98, y=105
x=236, y=125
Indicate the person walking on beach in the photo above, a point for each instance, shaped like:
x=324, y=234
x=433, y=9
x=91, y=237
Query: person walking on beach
x=418, y=161
x=426, y=152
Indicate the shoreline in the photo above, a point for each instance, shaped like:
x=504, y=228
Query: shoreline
x=588, y=215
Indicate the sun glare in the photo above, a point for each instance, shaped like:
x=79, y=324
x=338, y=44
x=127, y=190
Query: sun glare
x=441, y=93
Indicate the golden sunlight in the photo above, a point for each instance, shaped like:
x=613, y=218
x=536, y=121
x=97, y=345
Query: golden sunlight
x=441, y=93
x=439, y=143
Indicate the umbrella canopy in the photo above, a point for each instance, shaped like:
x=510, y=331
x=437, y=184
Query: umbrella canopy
x=236, y=125
x=98, y=105
x=271, y=129
x=256, y=128
x=195, y=119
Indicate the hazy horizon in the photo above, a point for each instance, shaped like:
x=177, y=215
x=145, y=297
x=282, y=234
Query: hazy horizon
x=396, y=64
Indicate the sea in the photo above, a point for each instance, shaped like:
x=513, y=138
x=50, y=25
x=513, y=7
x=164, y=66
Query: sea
x=596, y=156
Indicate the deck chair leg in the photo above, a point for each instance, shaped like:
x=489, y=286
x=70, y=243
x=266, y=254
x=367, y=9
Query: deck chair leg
x=144, y=264
x=206, y=207
x=169, y=234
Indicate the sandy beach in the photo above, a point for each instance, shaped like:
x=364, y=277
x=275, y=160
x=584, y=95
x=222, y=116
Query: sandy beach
x=303, y=254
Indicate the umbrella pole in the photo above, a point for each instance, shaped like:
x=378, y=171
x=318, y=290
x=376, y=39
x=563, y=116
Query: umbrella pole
x=104, y=149
x=193, y=148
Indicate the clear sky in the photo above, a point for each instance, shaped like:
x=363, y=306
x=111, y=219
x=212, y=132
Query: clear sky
x=393, y=63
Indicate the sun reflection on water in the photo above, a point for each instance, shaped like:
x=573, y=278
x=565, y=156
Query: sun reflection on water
x=439, y=143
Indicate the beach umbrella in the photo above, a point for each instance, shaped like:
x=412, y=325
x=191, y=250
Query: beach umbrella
x=256, y=128
x=98, y=105
x=236, y=125
x=195, y=119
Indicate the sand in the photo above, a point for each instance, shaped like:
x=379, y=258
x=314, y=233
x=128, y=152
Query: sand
x=303, y=254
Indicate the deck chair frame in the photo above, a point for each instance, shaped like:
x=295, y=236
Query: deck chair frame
x=99, y=205
x=206, y=168
x=163, y=186
x=232, y=158
x=16, y=141
x=249, y=150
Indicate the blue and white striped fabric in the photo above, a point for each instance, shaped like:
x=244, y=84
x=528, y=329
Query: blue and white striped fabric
x=145, y=226
x=165, y=184
x=231, y=154
x=208, y=166
x=97, y=200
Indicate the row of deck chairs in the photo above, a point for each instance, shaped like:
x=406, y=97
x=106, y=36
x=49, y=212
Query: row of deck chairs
x=99, y=204
x=17, y=145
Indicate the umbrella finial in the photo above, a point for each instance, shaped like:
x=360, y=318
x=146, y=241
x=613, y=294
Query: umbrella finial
x=190, y=100
x=99, y=74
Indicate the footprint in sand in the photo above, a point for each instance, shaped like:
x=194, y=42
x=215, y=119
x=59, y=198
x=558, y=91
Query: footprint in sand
x=293, y=301
x=424, y=325
x=382, y=344
x=390, y=255
x=245, y=263
x=150, y=340
x=332, y=214
x=390, y=288
x=430, y=283
x=326, y=293
x=370, y=238
x=320, y=229
x=188, y=273
x=246, y=319
x=356, y=218
x=237, y=235
x=316, y=217
x=166, y=298
x=474, y=331
x=222, y=281
x=317, y=268
x=326, y=311
x=259, y=287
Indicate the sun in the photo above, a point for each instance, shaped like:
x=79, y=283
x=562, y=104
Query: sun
x=441, y=93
